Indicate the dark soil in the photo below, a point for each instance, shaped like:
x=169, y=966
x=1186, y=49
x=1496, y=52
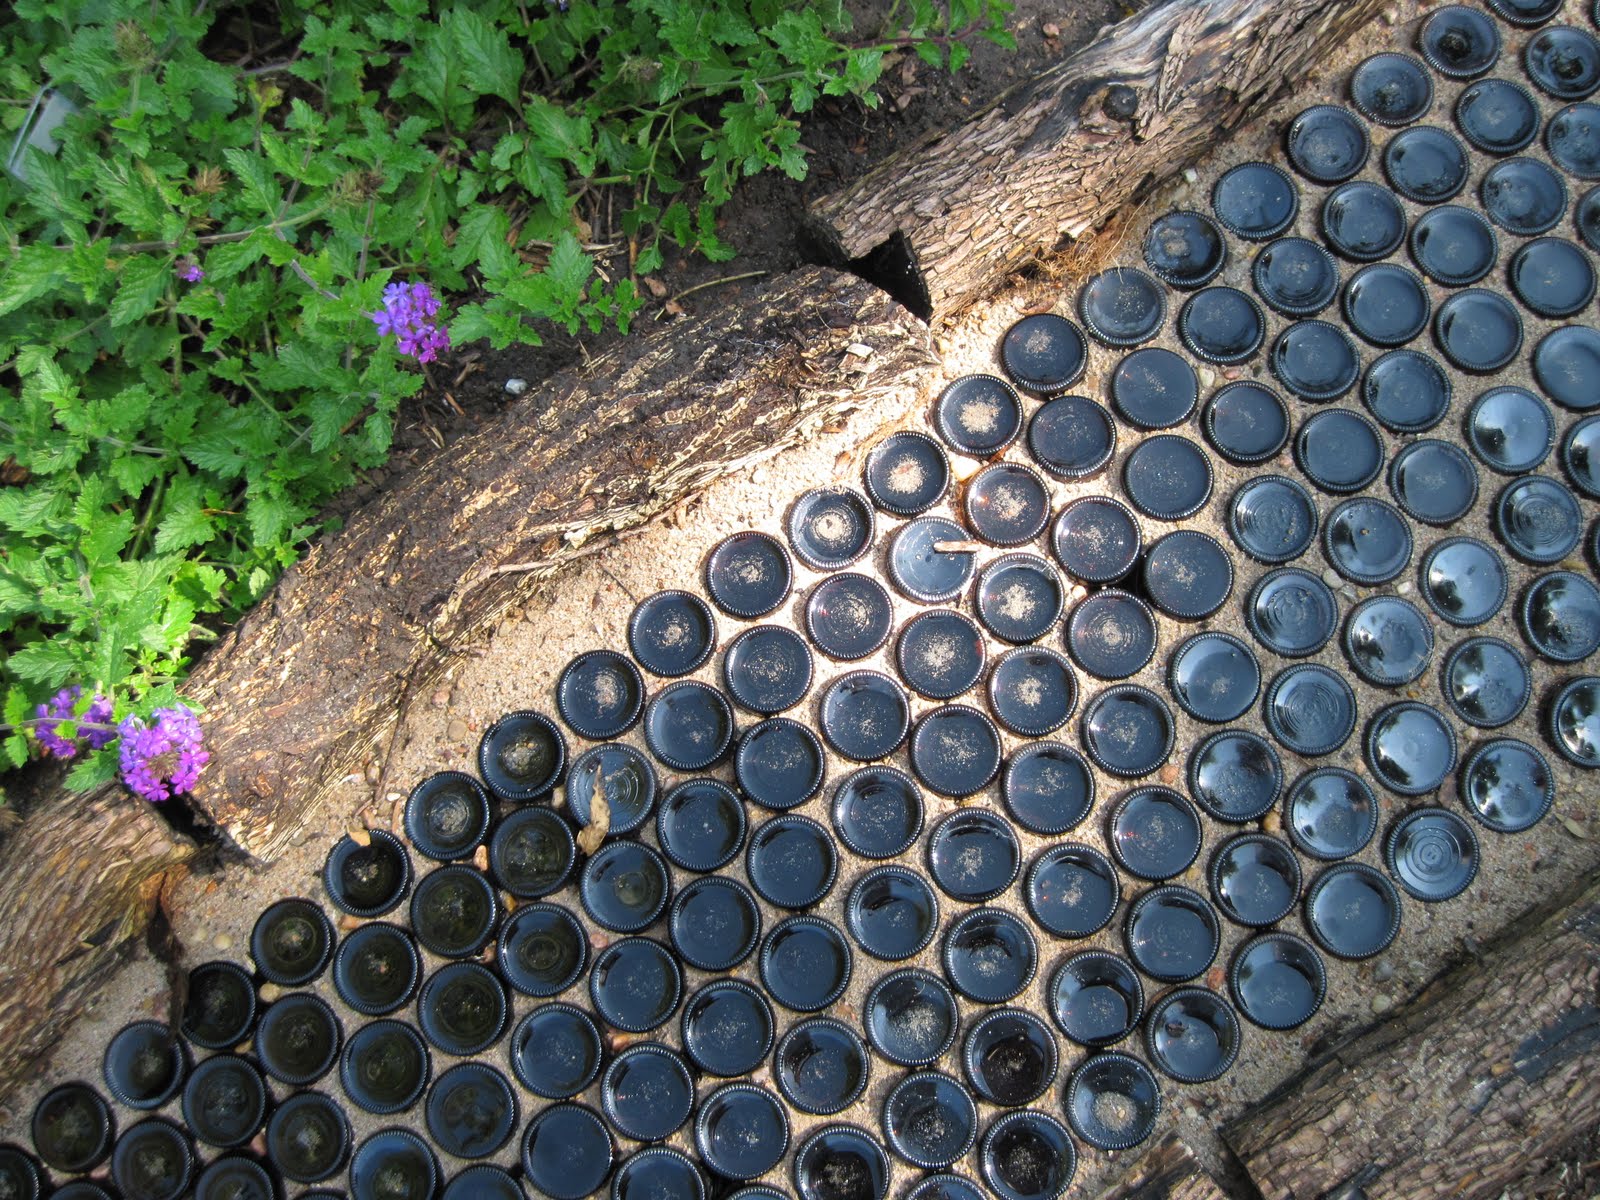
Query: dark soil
x=845, y=139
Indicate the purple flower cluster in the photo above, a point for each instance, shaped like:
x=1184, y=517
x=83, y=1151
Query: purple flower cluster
x=409, y=311
x=190, y=272
x=63, y=706
x=163, y=757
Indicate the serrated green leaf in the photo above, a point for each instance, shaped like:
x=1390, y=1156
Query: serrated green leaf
x=258, y=582
x=50, y=664
x=16, y=749
x=17, y=707
x=650, y=259
x=27, y=510
x=255, y=175
x=135, y=472
x=560, y=135
x=99, y=767
x=141, y=282
x=269, y=515
x=106, y=538
x=17, y=597
x=230, y=258
x=481, y=241
x=184, y=522
x=569, y=267
x=492, y=67
x=33, y=272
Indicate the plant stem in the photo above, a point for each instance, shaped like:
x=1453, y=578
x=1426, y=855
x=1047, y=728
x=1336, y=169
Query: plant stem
x=215, y=239
x=150, y=511
x=32, y=722
x=153, y=451
x=710, y=283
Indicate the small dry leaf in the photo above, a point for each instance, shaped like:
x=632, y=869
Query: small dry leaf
x=657, y=288
x=957, y=547
x=360, y=835
x=592, y=834
x=1577, y=829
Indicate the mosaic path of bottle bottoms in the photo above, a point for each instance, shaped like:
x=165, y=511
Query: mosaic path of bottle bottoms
x=1422, y=267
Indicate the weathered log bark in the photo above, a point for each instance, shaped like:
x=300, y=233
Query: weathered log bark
x=943, y=223
x=1493, y=1065
x=77, y=894
x=303, y=689
x=1169, y=1172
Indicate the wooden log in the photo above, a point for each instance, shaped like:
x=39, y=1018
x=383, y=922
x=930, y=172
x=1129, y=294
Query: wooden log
x=77, y=893
x=1168, y=1172
x=944, y=223
x=1494, y=1065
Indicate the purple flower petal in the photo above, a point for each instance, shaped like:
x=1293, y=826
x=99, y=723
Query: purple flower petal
x=164, y=757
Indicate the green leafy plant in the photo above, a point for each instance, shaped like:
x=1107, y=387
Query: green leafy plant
x=188, y=357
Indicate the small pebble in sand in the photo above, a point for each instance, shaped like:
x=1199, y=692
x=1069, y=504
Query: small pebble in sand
x=515, y=387
x=222, y=941
x=1382, y=1003
x=1383, y=972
